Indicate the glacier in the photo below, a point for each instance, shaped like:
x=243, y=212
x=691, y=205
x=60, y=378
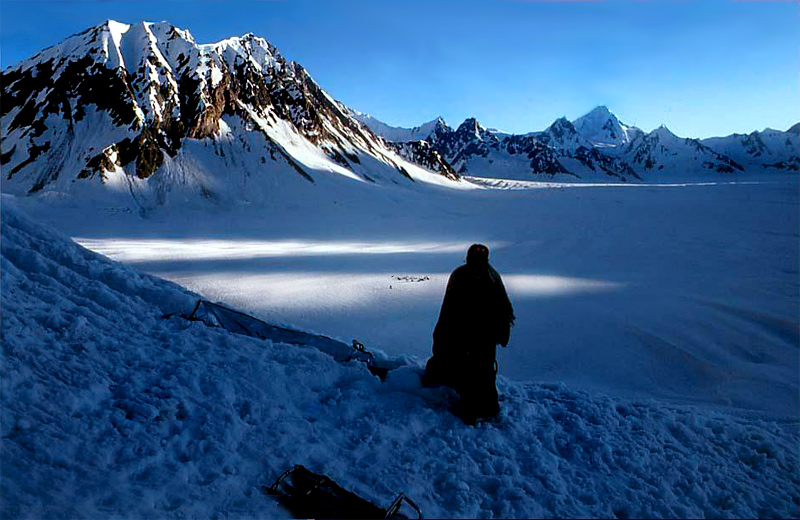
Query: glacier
x=111, y=409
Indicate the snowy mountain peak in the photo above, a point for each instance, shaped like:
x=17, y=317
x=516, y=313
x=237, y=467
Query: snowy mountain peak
x=116, y=28
x=662, y=132
x=471, y=126
x=563, y=135
x=140, y=103
x=603, y=129
x=397, y=134
x=600, y=112
x=562, y=124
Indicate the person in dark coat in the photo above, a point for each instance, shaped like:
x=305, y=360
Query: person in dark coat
x=476, y=316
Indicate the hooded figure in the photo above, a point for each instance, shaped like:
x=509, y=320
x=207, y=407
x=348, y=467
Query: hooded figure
x=476, y=315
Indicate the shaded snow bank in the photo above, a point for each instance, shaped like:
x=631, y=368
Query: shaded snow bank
x=110, y=410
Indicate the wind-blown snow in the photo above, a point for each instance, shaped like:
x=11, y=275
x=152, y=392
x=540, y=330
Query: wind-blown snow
x=109, y=410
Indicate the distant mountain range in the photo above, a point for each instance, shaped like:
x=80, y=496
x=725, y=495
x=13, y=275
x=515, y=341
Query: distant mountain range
x=143, y=109
x=597, y=145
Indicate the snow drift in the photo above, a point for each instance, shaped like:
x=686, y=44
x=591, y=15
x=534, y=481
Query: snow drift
x=109, y=409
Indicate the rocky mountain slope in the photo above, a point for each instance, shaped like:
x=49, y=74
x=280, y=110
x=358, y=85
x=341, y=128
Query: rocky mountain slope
x=144, y=108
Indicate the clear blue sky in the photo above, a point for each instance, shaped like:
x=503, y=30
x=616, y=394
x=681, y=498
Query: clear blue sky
x=702, y=67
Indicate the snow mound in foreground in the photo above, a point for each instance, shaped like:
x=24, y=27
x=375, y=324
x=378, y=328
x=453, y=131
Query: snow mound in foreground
x=108, y=409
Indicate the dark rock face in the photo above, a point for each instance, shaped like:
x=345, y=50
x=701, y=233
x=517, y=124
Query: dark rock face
x=422, y=153
x=88, y=99
x=543, y=160
x=545, y=150
x=611, y=166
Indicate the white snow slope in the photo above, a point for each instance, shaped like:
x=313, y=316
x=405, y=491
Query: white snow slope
x=110, y=410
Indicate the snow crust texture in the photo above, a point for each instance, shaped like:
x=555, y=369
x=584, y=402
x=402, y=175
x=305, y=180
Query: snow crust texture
x=111, y=410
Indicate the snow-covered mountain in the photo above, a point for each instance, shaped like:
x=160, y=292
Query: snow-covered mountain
x=598, y=146
x=399, y=134
x=144, y=108
x=602, y=128
x=771, y=150
x=557, y=153
x=663, y=150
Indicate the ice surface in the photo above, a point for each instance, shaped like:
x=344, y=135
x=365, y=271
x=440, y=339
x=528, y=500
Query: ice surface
x=111, y=410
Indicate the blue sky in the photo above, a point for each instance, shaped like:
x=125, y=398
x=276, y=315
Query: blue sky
x=703, y=68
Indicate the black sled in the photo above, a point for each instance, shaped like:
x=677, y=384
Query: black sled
x=310, y=495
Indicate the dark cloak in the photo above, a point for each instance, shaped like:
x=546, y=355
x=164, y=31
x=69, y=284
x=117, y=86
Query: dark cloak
x=476, y=315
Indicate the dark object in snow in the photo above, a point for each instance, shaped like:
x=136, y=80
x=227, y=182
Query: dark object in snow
x=310, y=495
x=378, y=368
x=216, y=315
x=476, y=315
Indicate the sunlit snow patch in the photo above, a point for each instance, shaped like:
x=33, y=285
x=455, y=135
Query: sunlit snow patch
x=155, y=250
x=545, y=285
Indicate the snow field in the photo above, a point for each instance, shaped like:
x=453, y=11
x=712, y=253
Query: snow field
x=111, y=410
x=685, y=291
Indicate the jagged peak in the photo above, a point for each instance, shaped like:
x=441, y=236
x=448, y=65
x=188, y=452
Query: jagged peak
x=560, y=128
x=663, y=132
x=115, y=26
x=600, y=110
x=164, y=29
x=562, y=122
x=257, y=40
x=77, y=45
x=597, y=116
x=471, y=124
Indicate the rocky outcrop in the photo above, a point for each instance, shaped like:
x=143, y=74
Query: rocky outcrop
x=421, y=152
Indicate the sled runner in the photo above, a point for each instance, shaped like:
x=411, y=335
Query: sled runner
x=216, y=315
x=310, y=495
